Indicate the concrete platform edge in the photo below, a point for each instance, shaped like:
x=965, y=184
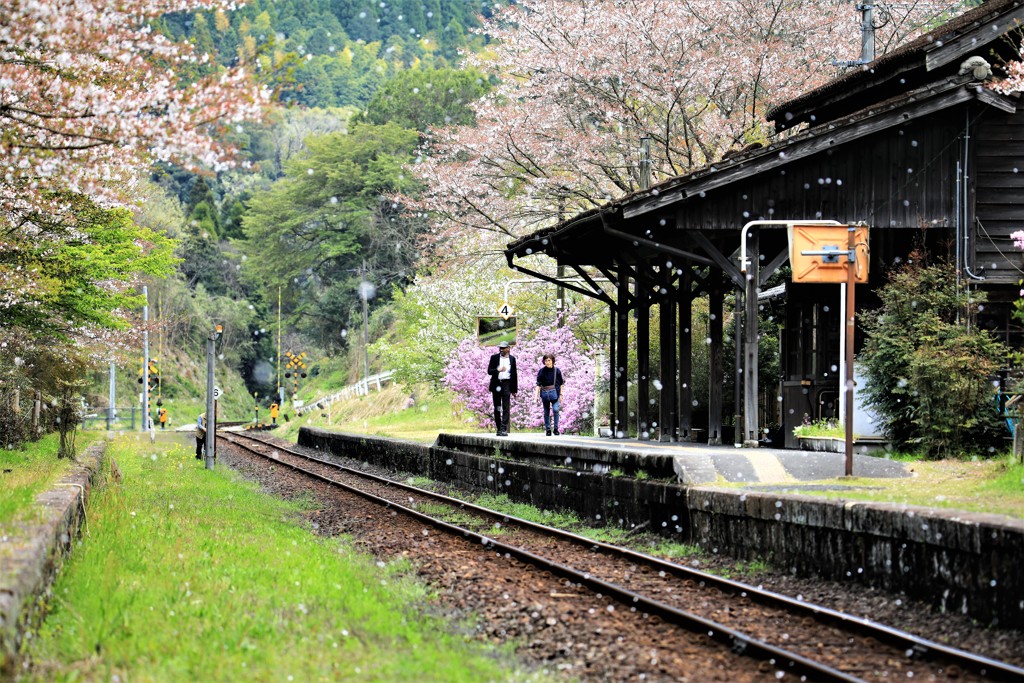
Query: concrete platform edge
x=31, y=556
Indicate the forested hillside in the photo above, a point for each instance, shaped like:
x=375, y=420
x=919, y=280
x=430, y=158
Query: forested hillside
x=334, y=53
x=308, y=221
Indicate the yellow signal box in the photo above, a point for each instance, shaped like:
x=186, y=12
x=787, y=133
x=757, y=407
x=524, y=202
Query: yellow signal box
x=819, y=253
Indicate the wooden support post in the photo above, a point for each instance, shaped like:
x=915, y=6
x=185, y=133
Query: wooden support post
x=737, y=356
x=620, y=424
x=613, y=314
x=685, y=431
x=643, y=363
x=715, y=373
x=667, y=401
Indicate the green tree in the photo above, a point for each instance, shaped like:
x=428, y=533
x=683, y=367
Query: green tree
x=928, y=366
x=314, y=228
x=420, y=98
x=86, y=271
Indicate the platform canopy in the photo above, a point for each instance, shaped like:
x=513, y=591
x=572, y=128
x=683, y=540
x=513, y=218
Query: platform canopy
x=899, y=146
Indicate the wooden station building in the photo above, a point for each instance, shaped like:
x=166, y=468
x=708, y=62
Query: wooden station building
x=913, y=144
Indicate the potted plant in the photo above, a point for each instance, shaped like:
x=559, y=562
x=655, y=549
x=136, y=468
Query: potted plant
x=821, y=435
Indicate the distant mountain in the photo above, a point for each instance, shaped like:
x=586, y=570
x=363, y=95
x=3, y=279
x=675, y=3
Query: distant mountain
x=330, y=53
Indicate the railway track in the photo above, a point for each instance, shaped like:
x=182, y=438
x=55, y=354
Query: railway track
x=807, y=641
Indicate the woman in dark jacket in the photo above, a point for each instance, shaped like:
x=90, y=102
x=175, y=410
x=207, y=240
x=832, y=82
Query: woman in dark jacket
x=549, y=391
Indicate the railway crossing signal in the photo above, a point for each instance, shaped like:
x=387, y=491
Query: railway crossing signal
x=295, y=369
x=154, y=382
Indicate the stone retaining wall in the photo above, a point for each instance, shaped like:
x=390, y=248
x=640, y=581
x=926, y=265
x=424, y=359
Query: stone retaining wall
x=32, y=554
x=957, y=561
x=953, y=560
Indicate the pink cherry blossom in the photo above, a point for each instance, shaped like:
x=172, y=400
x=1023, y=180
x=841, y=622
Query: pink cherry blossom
x=466, y=375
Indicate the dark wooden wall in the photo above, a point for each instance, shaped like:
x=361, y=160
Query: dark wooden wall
x=998, y=158
x=903, y=177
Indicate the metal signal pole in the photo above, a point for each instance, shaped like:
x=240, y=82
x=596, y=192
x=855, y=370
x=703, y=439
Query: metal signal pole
x=280, y=389
x=211, y=416
x=145, y=360
x=366, y=318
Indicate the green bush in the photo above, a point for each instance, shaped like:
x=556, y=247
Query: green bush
x=825, y=427
x=929, y=368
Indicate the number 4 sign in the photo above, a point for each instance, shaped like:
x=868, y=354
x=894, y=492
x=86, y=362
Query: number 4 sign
x=505, y=311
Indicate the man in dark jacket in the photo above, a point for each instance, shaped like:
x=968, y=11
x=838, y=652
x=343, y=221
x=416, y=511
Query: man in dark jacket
x=504, y=384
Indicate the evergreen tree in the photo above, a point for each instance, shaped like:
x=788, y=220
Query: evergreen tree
x=929, y=368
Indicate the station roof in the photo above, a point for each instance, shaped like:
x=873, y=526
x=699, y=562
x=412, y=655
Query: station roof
x=586, y=238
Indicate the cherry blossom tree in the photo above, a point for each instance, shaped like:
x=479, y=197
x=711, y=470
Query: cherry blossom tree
x=584, y=81
x=1012, y=83
x=90, y=96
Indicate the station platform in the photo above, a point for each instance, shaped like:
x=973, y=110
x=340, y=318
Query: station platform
x=690, y=463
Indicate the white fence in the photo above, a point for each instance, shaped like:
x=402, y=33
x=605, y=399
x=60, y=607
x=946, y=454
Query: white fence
x=360, y=388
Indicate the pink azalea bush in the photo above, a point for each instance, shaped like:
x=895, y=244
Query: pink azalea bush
x=466, y=375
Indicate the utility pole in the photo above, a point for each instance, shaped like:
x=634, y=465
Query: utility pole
x=645, y=163
x=280, y=389
x=145, y=360
x=560, y=274
x=867, y=33
x=159, y=350
x=110, y=399
x=211, y=417
x=363, y=284
x=867, y=37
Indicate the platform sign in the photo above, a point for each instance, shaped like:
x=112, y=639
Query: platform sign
x=819, y=253
x=505, y=312
x=492, y=330
x=217, y=392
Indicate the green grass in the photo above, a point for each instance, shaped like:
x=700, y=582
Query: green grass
x=502, y=503
x=820, y=428
x=994, y=486
x=444, y=512
x=740, y=570
x=385, y=413
x=26, y=472
x=190, y=574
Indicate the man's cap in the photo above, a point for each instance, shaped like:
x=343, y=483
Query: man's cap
x=503, y=345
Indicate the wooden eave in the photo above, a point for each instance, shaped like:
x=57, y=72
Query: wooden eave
x=578, y=239
x=940, y=50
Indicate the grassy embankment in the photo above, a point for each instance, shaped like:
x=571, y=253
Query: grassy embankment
x=25, y=473
x=189, y=574
x=388, y=412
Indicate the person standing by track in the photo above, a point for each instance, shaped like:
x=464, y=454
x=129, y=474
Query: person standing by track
x=549, y=391
x=503, y=386
x=200, y=436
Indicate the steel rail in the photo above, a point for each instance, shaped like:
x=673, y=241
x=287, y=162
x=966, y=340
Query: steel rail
x=915, y=647
x=739, y=643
